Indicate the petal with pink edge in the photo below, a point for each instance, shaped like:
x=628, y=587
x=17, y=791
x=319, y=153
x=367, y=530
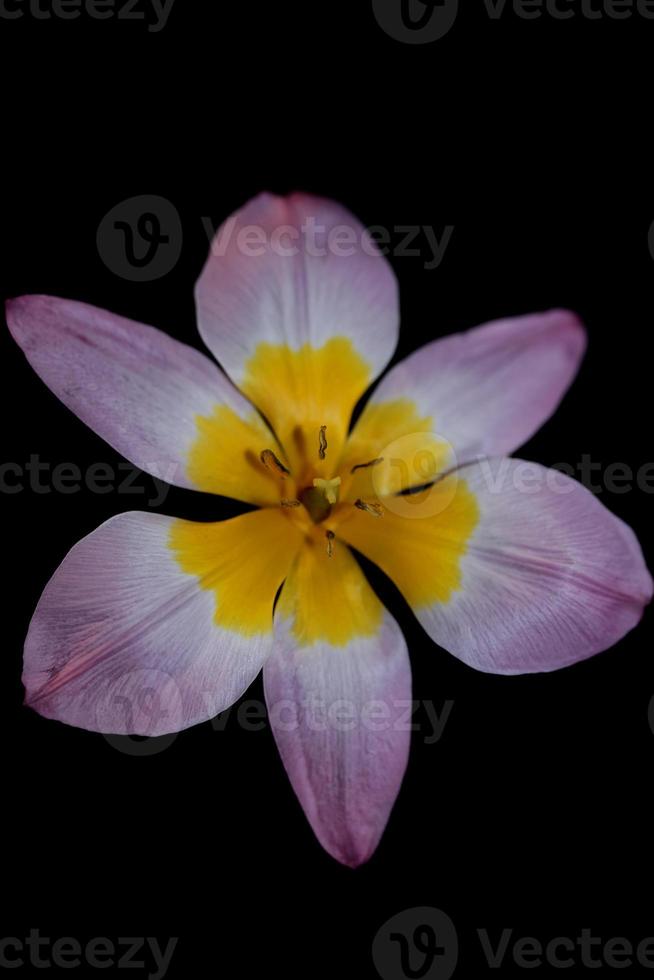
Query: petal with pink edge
x=482, y=392
x=127, y=640
x=301, y=309
x=340, y=713
x=295, y=270
x=510, y=566
x=165, y=406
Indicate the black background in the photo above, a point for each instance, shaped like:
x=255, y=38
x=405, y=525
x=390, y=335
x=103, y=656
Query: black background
x=534, y=809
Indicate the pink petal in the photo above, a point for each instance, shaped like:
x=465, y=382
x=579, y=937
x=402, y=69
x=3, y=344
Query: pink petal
x=489, y=389
x=341, y=720
x=139, y=389
x=123, y=641
x=548, y=575
x=308, y=297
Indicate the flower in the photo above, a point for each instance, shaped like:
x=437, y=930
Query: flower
x=509, y=576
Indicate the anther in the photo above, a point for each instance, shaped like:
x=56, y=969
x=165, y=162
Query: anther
x=375, y=509
x=269, y=459
x=322, y=439
x=291, y=503
x=330, y=543
x=364, y=466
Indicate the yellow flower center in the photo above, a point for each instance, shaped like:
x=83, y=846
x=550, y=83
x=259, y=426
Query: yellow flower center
x=321, y=489
x=315, y=496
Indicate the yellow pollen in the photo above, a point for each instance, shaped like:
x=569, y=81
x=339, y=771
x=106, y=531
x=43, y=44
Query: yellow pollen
x=329, y=488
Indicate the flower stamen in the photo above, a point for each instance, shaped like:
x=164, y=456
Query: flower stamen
x=290, y=503
x=330, y=543
x=364, y=466
x=322, y=442
x=275, y=465
x=375, y=509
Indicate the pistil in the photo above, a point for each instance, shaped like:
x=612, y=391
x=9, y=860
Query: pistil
x=329, y=488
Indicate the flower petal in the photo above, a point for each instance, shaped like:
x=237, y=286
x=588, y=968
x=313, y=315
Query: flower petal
x=339, y=708
x=165, y=406
x=482, y=392
x=510, y=566
x=301, y=310
x=138, y=633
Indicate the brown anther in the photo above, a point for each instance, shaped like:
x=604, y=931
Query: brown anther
x=375, y=509
x=322, y=448
x=364, y=466
x=330, y=543
x=269, y=459
x=291, y=503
